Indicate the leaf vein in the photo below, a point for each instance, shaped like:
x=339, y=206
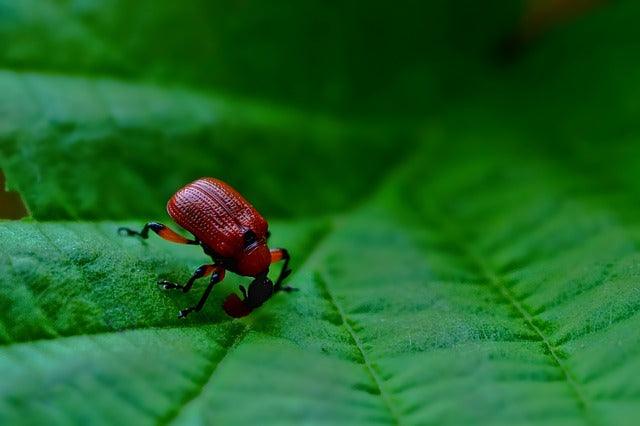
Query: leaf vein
x=48, y=327
x=393, y=411
x=497, y=283
x=197, y=392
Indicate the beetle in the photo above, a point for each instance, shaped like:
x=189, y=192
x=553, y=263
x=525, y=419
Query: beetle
x=229, y=230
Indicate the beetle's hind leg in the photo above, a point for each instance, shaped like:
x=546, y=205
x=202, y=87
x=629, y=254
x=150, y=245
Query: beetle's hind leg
x=162, y=230
x=202, y=271
x=276, y=256
x=216, y=277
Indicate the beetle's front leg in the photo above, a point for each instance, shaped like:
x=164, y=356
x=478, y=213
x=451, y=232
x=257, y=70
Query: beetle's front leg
x=276, y=256
x=216, y=277
x=162, y=230
x=202, y=271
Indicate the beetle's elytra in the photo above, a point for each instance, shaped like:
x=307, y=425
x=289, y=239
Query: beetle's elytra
x=232, y=232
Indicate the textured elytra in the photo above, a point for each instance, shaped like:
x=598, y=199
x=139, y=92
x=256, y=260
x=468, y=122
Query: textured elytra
x=217, y=215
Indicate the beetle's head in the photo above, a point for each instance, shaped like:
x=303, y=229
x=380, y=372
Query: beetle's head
x=260, y=290
x=255, y=257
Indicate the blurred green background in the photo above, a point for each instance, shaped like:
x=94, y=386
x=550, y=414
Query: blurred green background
x=124, y=97
x=457, y=182
x=327, y=98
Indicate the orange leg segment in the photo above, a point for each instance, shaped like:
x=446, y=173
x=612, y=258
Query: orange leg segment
x=162, y=230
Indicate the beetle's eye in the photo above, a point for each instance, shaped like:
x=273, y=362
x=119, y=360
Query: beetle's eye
x=250, y=237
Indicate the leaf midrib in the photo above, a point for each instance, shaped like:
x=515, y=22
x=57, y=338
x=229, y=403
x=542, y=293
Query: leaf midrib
x=235, y=341
x=497, y=283
x=384, y=394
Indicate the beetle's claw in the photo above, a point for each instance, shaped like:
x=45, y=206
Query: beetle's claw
x=168, y=285
x=183, y=313
x=125, y=231
x=289, y=289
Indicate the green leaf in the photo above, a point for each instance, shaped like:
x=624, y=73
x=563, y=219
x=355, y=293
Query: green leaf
x=485, y=294
x=479, y=266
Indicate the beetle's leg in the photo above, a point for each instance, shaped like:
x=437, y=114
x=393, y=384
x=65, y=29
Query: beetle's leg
x=159, y=229
x=243, y=290
x=216, y=277
x=276, y=256
x=202, y=271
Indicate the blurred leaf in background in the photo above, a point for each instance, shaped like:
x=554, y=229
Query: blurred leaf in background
x=457, y=181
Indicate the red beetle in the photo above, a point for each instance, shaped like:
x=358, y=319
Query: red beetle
x=232, y=232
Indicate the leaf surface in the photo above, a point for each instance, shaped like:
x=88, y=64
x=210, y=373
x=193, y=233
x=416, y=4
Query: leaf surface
x=407, y=313
x=481, y=266
x=81, y=148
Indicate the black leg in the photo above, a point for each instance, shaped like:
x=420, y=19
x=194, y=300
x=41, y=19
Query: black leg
x=159, y=229
x=215, y=279
x=202, y=271
x=277, y=255
x=243, y=290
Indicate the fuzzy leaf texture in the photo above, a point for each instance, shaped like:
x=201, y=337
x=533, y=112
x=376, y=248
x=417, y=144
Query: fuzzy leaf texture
x=480, y=265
